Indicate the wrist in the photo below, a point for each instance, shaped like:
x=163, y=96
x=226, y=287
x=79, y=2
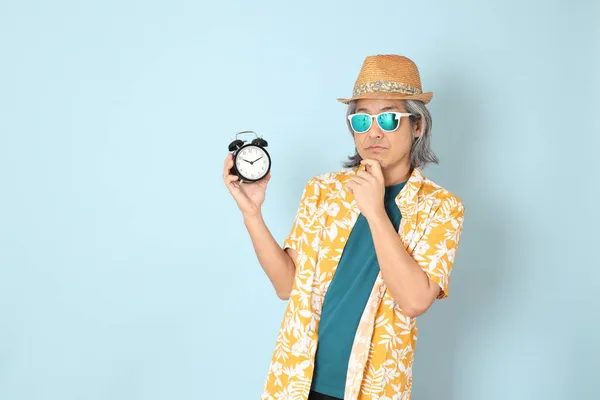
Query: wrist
x=250, y=219
x=378, y=216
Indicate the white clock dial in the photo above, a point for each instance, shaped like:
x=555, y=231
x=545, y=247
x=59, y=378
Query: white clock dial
x=252, y=162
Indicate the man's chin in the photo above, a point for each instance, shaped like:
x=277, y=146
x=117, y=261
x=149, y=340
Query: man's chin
x=379, y=158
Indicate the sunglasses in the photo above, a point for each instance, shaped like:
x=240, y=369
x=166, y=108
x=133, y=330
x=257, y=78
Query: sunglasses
x=387, y=121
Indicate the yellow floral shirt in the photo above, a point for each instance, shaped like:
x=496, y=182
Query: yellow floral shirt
x=380, y=365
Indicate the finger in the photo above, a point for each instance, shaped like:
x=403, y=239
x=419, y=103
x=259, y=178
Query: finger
x=350, y=187
x=353, y=184
x=359, y=180
x=233, y=185
x=365, y=175
x=373, y=167
x=370, y=164
x=227, y=165
x=228, y=159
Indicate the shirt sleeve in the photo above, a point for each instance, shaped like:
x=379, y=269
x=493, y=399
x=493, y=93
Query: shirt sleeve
x=308, y=204
x=436, y=250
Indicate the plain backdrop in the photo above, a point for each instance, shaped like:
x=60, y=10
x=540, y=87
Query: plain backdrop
x=125, y=269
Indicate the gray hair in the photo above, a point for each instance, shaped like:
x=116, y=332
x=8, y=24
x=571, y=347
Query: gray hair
x=420, y=153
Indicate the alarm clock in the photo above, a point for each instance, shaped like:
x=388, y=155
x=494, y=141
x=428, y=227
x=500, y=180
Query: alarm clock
x=251, y=161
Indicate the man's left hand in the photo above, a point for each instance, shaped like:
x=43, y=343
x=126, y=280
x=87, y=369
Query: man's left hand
x=368, y=189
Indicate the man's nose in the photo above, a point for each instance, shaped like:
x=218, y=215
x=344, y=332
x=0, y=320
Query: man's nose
x=375, y=132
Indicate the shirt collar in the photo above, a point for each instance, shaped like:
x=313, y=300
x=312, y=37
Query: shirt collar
x=406, y=200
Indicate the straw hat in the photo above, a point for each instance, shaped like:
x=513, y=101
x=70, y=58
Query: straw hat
x=388, y=77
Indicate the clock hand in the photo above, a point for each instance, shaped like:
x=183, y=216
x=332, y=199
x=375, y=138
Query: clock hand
x=249, y=162
x=252, y=162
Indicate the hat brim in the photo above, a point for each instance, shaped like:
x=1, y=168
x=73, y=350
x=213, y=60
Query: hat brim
x=424, y=97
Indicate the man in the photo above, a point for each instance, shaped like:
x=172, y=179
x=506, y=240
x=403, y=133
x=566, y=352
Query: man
x=370, y=249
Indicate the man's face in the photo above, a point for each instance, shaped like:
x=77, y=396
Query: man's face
x=391, y=149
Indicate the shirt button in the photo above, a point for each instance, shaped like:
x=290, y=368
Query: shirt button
x=342, y=239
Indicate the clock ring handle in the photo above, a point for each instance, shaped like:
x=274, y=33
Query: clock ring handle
x=259, y=141
x=243, y=132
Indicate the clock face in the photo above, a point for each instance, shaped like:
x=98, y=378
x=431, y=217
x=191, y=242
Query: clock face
x=252, y=162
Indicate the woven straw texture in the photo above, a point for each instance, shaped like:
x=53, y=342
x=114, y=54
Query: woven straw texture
x=388, y=77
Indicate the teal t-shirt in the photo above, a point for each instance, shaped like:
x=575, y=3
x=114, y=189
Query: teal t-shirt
x=345, y=301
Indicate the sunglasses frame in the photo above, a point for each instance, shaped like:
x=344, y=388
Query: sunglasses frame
x=398, y=115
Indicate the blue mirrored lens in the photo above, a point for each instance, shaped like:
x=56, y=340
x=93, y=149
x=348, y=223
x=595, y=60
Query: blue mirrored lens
x=360, y=123
x=388, y=121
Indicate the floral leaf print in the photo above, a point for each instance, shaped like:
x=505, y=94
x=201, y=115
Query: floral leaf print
x=380, y=365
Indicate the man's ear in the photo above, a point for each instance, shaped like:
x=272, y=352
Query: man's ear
x=418, y=127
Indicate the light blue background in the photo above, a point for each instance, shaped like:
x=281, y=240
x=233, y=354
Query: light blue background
x=125, y=270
